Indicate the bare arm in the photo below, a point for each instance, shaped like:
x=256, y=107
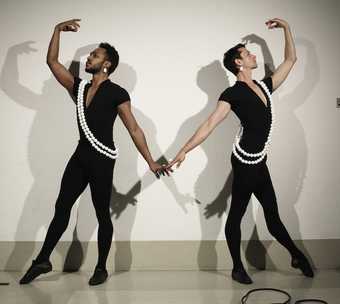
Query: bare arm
x=59, y=71
x=138, y=137
x=281, y=73
x=220, y=113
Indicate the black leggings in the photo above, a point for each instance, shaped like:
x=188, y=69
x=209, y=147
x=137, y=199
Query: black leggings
x=86, y=166
x=248, y=180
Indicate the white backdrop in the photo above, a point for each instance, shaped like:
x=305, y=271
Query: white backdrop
x=171, y=55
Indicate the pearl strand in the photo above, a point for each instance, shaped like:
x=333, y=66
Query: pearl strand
x=113, y=154
x=261, y=154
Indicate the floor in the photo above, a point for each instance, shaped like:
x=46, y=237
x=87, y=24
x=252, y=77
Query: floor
x=165, y=287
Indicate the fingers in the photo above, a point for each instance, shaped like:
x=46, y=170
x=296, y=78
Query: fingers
x=169, y=166
x=167, y=171
x=71, y=25
x=162, y=170
x=76, y=23
x=179, y=162
x=271, y=24
x=276, y=23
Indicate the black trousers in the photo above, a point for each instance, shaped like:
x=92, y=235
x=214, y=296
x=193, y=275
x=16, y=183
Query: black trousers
x=248, y=180
x=86, y=166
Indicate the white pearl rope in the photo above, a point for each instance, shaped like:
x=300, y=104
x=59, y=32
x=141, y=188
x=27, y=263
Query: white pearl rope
x=261, y=154
x=113, y=154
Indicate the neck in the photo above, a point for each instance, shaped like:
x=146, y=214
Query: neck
x=245, y=76
x=98, y=78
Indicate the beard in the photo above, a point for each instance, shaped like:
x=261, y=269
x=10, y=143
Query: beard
x=93, y=69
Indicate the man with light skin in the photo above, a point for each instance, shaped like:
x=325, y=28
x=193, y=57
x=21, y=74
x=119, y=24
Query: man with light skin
x=92, y=163
x=250, y=100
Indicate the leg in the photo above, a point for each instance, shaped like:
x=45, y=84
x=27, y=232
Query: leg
x=243, y=181
x=266, y=196
x=238, y=207
x=73, y=183
x=101, y=187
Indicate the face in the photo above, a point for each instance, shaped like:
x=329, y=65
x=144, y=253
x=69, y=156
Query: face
x=95, y=61
x=248, y=60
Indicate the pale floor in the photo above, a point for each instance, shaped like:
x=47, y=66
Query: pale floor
x=164, y=287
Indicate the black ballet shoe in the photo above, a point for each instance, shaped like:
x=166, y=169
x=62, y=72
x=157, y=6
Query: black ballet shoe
x=241, y=276
x=99, y=276
x=35, y=270
x=303, y=264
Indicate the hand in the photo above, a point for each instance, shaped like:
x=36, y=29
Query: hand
x=69, y=26
x=180, y=157
x=159, y=170
x=23, y=48
x=276, y=23
x=252, y=38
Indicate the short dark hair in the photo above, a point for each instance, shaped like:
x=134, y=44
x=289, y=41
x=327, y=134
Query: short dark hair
x=111, y=54
x=230, y=56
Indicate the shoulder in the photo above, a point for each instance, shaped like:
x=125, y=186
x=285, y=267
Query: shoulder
x=76, y=82
x=115, y=87
x=118, y=93
x=229, y=94
x=268, y=81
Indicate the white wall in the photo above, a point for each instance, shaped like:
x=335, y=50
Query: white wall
x=171, y=65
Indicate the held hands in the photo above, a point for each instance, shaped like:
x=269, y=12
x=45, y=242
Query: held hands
x=276, y=23
x=159, y=170
x=180, y=157
x=69, y=25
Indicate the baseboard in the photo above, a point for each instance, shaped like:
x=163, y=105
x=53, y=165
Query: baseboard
x=169, y=255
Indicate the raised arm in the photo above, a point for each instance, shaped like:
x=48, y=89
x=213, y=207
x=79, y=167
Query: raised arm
x=59, y=71
x=220, y=113
x=281, y=73
x=138, y=137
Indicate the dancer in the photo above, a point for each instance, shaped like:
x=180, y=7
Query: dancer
x=251, y=102
x=93, y=161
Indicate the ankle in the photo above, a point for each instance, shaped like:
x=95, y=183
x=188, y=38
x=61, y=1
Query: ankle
x=239, y=268
x=100, y=267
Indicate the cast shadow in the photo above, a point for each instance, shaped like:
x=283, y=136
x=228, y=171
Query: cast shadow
x=47, y=152
x=290, y=182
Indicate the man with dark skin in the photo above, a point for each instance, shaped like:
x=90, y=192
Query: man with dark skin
x=98, y=104
x=251, y=102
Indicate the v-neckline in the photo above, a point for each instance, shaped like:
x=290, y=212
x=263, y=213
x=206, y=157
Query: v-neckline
x=87, y=106
x=260, y=99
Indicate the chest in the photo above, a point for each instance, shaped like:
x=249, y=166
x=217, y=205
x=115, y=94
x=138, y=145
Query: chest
x=98, y=103
x=251, y=105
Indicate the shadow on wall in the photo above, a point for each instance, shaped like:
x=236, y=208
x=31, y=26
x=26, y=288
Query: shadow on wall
x=290, y=181
x=216, y=176
x=47, y=153
x=47, y=150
